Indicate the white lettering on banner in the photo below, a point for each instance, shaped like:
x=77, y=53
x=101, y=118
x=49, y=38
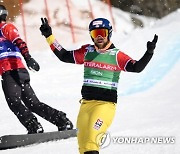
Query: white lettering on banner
x=96, y=73
x=100, y=65
x=6, y=54
x=100, y=82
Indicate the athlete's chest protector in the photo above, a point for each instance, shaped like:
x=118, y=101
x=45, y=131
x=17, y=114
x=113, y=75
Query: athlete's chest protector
x=101, y=69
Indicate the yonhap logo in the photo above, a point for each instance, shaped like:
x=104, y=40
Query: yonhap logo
x=103, y=140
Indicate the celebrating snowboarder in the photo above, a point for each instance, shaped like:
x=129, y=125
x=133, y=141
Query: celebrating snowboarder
x=103, y=63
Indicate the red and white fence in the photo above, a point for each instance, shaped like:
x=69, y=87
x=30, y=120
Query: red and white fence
x=70, y=16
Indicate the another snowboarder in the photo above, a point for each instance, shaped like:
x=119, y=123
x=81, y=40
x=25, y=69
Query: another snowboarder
x=16, y=81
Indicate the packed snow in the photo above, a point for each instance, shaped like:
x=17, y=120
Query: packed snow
x=148, y=102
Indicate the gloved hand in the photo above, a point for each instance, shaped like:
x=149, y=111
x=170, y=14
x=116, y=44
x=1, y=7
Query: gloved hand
x=152, y=45
x=31, y=63
x=45, y=28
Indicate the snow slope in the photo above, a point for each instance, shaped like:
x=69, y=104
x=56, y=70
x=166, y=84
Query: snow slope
x=148, y=103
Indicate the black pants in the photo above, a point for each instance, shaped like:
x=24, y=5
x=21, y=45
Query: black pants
x=17, y=89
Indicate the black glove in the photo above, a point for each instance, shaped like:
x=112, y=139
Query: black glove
x=152, y=45
x=31, y=63
x=45, y=28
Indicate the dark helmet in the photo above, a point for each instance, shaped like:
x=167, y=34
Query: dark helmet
x=101, y=23
x=3, y=13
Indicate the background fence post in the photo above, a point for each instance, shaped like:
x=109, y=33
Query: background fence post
x=71, y=23
x=91, y=10
x=47, y=11
x=111, y=14
x=23, y=19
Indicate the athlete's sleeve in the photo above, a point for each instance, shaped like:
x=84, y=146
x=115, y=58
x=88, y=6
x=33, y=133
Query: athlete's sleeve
x=11, y=33
x=73, y=56
x=123, y=60
x=138, y=66
x=79, y=54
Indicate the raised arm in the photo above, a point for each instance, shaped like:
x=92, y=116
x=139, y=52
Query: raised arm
x=138, y=66
x=63, y=54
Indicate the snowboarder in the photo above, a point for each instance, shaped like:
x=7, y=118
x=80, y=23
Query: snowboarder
x=16, y=81
x=103, y=63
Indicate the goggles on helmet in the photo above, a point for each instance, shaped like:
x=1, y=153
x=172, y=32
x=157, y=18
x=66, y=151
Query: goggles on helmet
x=96, y=32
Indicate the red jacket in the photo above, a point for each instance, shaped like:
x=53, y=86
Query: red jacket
x=10, y=55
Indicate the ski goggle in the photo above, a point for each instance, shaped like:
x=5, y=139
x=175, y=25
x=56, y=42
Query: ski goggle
x=96, y=32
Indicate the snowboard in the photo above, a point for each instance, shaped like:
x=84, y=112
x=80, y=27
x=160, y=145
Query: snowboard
x=14, y=141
